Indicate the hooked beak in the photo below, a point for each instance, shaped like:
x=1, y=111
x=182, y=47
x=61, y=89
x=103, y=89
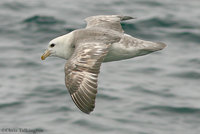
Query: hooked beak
x=45, y=55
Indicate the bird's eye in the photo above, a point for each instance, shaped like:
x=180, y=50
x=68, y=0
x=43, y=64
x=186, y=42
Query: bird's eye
x=52, y=45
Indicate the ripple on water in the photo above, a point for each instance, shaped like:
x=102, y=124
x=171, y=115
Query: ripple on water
x=92, y=125
x=194, y=61
x=107, y=97
x=149, y=70
x=44, y=28
x=157, y=22
x=186, y=36
x=14, y=5
x=171, y=109
x=162, y=93
x=151, y=3
x=129, y=26
x=187, y=75
x=49, y=91
x=43, y=20
x=10, y=105
x=27, y=64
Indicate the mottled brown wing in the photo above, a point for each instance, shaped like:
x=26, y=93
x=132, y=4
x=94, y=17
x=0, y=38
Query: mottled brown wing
x=107, y=22
x=81, y=73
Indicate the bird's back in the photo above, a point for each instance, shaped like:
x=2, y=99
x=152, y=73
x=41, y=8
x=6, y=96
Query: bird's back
x=100, y=35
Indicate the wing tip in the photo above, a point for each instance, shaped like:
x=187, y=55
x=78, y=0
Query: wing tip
x=87, y=112
x=127, y=18
x=122, y=17
x=80, y=106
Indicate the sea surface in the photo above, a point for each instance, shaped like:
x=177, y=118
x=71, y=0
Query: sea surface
x=157, y=93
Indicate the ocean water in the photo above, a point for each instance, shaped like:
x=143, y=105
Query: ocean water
x=154, y=94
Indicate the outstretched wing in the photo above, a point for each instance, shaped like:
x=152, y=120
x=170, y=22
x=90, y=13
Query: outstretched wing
x=107, y=22
x=81, y=73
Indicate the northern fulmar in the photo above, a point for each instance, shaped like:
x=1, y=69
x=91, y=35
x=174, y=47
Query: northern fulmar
x=103, y=40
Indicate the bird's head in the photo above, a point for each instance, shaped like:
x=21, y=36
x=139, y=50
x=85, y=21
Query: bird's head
x=59, y=47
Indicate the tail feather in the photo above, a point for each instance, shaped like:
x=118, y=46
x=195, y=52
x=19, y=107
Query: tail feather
x=160, y=45
x=151, y=46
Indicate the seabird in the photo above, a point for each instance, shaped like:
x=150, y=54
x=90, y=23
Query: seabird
x=103, y=40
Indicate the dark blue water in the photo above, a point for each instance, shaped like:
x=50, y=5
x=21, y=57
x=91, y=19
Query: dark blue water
x=154, y=94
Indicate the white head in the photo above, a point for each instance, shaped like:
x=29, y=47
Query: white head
x=60, y=47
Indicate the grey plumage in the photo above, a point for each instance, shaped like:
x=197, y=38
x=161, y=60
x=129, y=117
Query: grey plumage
x=81, y=72
x=103, y=40
x=111, y=22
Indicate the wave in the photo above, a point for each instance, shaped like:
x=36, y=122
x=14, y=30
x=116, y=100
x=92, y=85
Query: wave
x=188, y=75
x=149, y=70
x=195, y=61
x=16, y=6
x=172, y=27
x=107, y=97
x=165, y=22
x=185, y=35
x=38, y=25
x=129, y=26
x=150, y=3
x=156, y=22
x=37, y=19
x=11, y=104
x=180, y=110
x=97, y=126
x=49, y=91
x=152, y=92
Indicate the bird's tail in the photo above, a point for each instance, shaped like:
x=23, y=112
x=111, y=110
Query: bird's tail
x=156, y=46
x=149, y=47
